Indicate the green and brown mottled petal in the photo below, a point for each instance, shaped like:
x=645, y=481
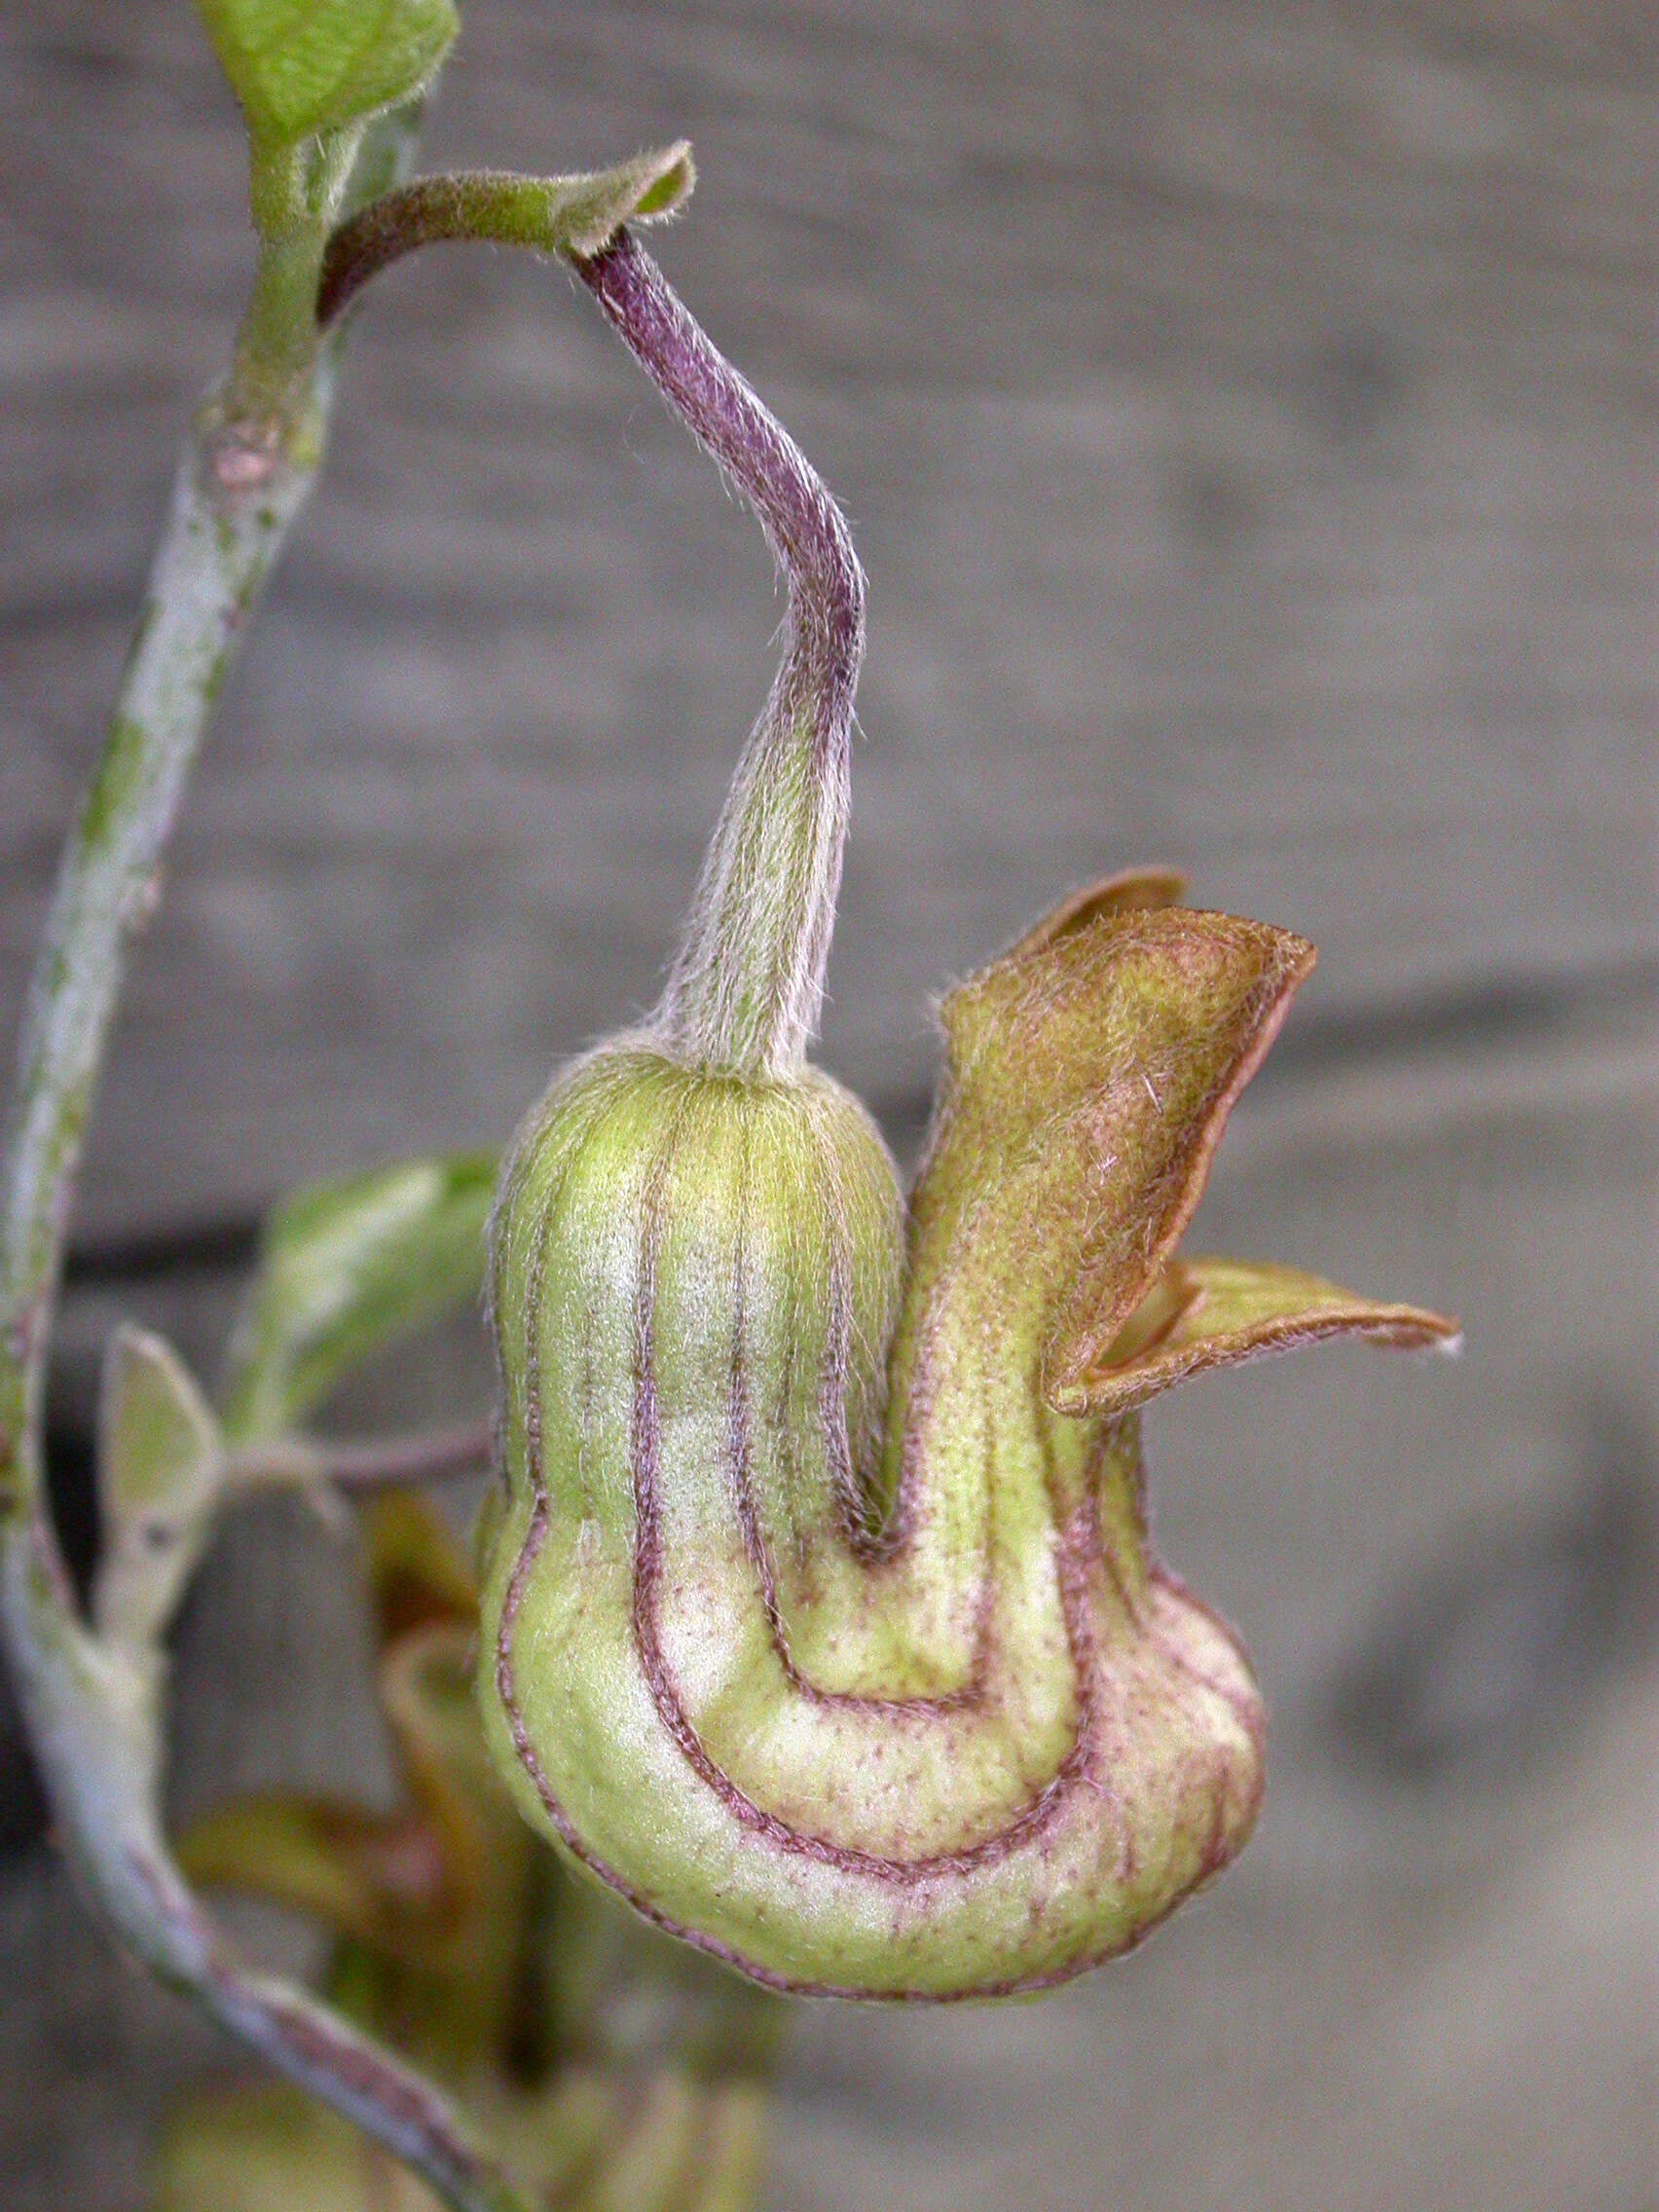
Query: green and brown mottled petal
x=1129, y=889
x=1218, y=1312
x=1123, y=1041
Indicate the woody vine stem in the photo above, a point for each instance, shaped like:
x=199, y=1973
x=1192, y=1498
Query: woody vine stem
x=94, y=1717
x=95, y=1710
x=745, y=991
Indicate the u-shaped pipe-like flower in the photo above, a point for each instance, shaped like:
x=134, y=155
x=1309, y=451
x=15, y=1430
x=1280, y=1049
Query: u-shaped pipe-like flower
x=820, y=1618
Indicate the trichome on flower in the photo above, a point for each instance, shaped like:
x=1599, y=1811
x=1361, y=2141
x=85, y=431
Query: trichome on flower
x=819, y=1615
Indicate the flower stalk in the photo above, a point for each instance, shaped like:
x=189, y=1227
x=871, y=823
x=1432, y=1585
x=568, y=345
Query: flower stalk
x=566, y=215
x=745, y=992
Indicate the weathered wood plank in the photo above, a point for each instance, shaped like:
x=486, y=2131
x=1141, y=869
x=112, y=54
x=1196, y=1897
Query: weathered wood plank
x=1249, y=420
x=1247, y=416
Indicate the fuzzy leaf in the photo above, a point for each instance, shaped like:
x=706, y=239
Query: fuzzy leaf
x=159, y=1464
x=301, y=67
x=348, y=1268
x=1116, y=1035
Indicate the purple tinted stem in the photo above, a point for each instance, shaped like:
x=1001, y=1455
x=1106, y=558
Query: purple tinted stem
x=745, y=991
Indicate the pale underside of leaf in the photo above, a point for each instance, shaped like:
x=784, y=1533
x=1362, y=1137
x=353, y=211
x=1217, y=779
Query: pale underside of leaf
x=158, y=1470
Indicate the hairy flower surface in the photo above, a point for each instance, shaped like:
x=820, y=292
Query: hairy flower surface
x=820, y=1619
x=818, y=1613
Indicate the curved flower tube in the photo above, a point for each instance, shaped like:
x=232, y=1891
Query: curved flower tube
x=819, y=1615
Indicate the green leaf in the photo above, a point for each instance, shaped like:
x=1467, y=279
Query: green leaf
x=158, y=1471
x=347, y=1270
x=301, y=67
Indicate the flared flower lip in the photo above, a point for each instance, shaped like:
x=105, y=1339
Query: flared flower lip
x=1180, y=1315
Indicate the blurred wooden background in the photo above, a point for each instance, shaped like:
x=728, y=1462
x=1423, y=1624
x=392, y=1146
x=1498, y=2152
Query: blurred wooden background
x=1248, y=413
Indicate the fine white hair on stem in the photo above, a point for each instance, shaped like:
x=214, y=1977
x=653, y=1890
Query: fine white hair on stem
x=745, y=991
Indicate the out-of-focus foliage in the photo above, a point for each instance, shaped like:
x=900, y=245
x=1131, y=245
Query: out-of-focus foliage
x=610, y=2071
x=348, y=1268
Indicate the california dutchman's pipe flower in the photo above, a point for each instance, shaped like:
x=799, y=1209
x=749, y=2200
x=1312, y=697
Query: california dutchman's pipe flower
x=819, y=1617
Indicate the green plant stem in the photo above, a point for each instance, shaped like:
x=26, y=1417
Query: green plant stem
x=93, y=1722
x=569, y=216
x=219, y=543
x=744, y=993
x=297, y=195
x=93, y=1709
